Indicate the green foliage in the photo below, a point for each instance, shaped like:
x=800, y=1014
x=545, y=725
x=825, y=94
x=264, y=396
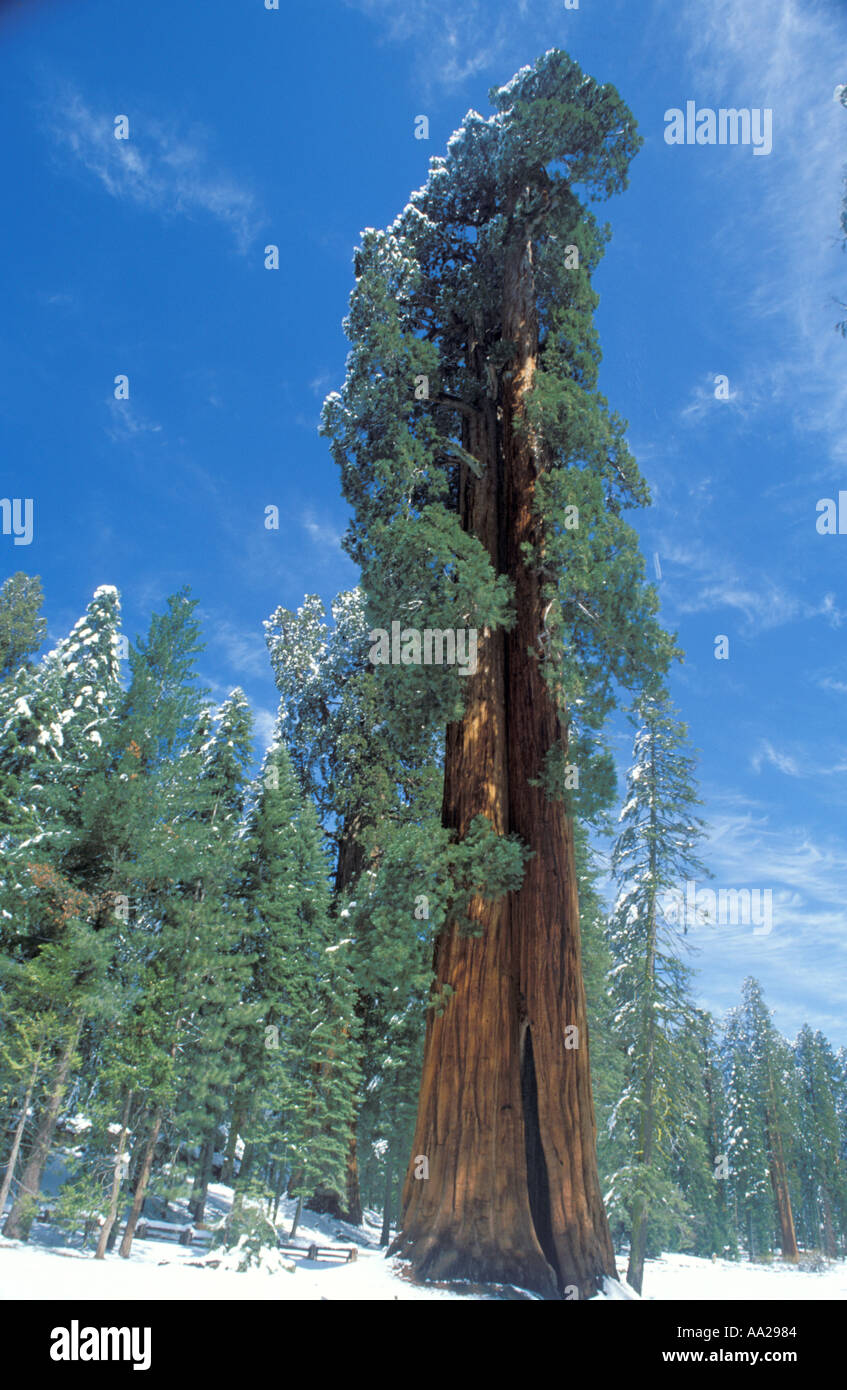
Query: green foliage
x=428, y=301
x=22, y=628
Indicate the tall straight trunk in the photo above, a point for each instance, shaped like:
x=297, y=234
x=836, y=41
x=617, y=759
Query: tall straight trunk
x=236, y=1122
x=296, y=1222
x=505, y=1115
x=787, y=1236
x=114, y=1196
x=353, y=1211
x=18, y=1135
x=779, y=1180
x=204, y=1176
x=830, y=1247
x=750, y=1251
x=141, y=1186
x=640, y=1207
x=20, y=1217
x=247, y=1162
x=385, y=1234
x=277, y=1195
x=640, y=1214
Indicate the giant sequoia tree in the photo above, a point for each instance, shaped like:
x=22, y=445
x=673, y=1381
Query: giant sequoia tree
x=488, y=479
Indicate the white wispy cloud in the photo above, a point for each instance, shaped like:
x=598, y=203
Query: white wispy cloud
x=126, y=423
x=703, y=400
x=264, y=726
x=158, y=168
x=802, y=962
x=324, y=533
x=786, y=55
x=455, y=40
x=243, y=648
x=766, y=753
x=830, y=683
x=763, y=603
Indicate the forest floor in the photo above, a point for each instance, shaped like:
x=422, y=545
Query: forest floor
x=51, y=1267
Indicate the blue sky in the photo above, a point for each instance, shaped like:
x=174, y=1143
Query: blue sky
x=296, y=127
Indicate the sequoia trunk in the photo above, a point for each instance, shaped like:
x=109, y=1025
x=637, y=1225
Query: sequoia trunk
x=505, y=1116
x=779, y=1180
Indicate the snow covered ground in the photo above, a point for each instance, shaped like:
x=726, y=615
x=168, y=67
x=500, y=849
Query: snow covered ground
x=159, y=1270
x=686, y=1277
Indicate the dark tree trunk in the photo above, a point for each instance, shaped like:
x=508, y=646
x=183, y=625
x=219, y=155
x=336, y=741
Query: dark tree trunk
x=204, y=1177
x=278, y=1188
x=830, y=1247
x=513, y=1193
x=779, y=1181
x=141, y=1186
x=353, y=1212
x=640, y=1207
x=637, y=1244
x=247, y=1162
x=236, y=1121
x=385, y=1234
x=23, y=1208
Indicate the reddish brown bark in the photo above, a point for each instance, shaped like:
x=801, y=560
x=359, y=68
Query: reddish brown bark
x=505, y=1115
x=779, y=1181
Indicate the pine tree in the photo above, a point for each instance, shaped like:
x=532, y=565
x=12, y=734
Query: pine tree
x=471, y=438
x=654, y=852
x=761, y=1121
x=373, y=789
x=702, y=1171
x=177, y=969
x=61, y=743
x=210, y=1067
x=746, y=1148
x=22, y=628
x=301, y=1080
x=608, y=1059
x=823, y=1180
